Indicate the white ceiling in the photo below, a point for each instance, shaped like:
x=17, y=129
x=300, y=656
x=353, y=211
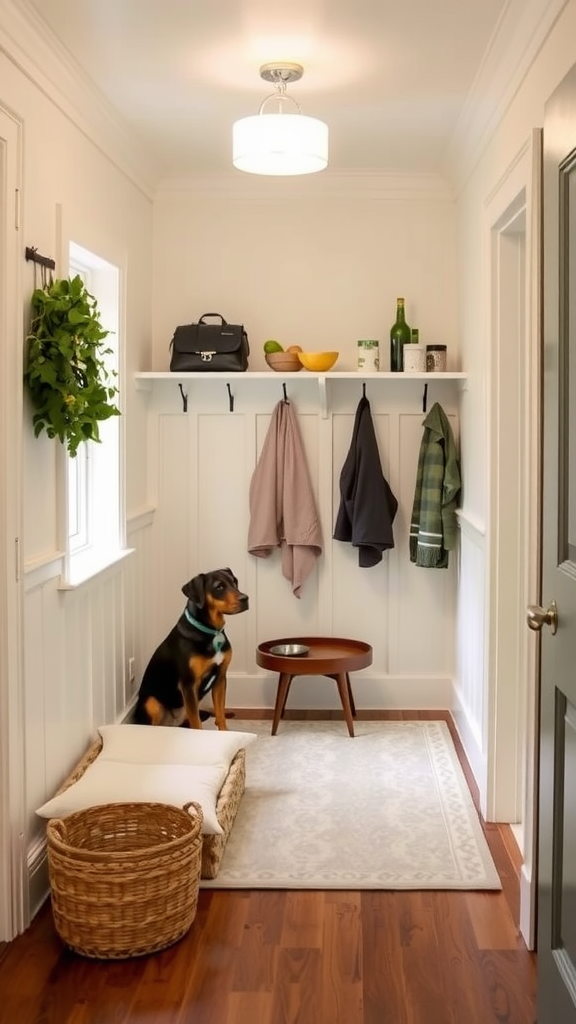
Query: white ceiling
x=390, y=77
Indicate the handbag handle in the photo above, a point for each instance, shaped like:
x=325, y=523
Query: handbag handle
x=201, y=320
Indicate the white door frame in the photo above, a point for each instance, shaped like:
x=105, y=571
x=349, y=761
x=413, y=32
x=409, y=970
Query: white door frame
x=14, y=913
x=514, y=514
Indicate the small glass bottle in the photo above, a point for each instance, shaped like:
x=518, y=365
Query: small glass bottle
x=399, y=336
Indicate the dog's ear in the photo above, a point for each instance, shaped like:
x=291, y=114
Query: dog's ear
x=194, y=590
x=230, y=573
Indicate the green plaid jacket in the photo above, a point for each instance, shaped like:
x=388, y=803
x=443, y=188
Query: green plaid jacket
x=433, y=524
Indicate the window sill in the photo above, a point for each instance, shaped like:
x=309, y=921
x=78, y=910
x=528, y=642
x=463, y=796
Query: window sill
x=91, y=566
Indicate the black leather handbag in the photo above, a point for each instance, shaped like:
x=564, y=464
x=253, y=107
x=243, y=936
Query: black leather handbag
x=209, y=347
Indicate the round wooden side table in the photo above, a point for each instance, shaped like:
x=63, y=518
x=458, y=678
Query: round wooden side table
x=327, y=656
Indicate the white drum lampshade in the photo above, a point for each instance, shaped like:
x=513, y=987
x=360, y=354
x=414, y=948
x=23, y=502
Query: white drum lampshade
x=280, y=143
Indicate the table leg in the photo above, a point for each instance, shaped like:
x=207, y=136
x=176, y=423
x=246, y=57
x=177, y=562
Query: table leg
x=343, y=684
x=351, y=695
x=284, y=680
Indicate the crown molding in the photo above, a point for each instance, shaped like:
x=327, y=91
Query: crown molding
x=327, y=185
x=519, y=35
x=30, y=45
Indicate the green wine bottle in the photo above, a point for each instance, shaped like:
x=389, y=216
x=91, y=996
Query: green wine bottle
x=400, y=335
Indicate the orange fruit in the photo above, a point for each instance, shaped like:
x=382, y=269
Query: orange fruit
x=294, y=348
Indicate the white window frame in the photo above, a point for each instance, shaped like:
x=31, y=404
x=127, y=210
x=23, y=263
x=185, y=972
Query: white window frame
x=94, y=529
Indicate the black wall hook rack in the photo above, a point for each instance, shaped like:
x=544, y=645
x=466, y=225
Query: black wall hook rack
x=34, y=256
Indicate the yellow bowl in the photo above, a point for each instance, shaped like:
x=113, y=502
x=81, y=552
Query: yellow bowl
x=318, y=361
x=283, y=362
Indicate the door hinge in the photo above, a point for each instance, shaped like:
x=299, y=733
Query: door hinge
x=17, y=559
x=17, y=209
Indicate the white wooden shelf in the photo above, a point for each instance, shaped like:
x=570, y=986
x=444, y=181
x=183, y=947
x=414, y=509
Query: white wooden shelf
x=145, y=379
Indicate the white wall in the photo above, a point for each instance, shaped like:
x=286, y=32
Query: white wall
x=75, y=644
x=475, y=701
x=72, y=190
x=317, y=263
x=526, y=111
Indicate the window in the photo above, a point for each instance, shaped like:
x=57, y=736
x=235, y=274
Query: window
x=94, y=523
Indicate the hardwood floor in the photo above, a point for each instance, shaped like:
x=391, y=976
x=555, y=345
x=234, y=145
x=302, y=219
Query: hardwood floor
x=299, y=957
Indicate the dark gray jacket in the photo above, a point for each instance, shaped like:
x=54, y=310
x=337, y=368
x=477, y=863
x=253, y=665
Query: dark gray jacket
x=367, y=505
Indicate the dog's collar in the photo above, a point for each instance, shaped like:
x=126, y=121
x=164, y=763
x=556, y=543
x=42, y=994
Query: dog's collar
x=218, y=634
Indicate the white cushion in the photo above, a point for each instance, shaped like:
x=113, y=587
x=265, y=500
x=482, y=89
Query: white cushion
x=106, y=781
x=143, y=763
x=165, y=744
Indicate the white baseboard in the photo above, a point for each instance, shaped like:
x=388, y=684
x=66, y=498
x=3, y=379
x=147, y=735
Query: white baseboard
x=470, y=738
x=527, y=921
x=38, y=883
x=321, y=693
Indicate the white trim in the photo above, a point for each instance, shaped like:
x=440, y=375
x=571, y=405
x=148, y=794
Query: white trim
x=140, y=520
x=513, y=722
x=506, y=337
x=96, y=568
x=40, y=571
x=469, y=733
x=372, y=690
x=519, y=36
x=14, y=910
x=469, y=524
x=533, y=547
x=37, y=868
x=384, y=186
x=38, y=53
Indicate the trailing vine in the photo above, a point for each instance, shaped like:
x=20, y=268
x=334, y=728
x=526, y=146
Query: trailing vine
x=70, y=386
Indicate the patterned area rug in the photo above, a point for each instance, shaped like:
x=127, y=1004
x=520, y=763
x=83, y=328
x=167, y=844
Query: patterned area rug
x=387, y=809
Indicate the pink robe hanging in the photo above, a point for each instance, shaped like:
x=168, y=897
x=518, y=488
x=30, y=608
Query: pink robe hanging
x=282, y=505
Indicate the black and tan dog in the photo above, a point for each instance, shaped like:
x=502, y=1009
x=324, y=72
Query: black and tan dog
x=193, y=659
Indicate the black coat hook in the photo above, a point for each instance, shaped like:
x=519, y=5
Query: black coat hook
x=230, y=398
x=425, y=398
x=364, y=390
x=184, y=399
x=284, y=390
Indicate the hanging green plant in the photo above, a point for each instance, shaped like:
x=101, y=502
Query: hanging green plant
x=71, y=388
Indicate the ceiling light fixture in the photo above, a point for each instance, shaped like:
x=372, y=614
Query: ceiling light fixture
x=280, y=143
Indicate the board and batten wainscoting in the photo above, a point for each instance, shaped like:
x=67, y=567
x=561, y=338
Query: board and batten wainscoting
x=76, y=670
x=200, y=463
x=470, y=693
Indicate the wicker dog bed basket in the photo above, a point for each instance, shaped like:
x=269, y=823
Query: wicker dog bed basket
x=227, y=804
x=124, y=877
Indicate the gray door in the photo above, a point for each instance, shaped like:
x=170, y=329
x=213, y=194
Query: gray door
x=557, y=799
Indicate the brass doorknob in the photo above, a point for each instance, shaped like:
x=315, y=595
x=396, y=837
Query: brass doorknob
x=536, y=617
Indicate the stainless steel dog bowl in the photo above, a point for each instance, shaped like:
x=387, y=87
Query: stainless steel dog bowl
x=289, y=650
